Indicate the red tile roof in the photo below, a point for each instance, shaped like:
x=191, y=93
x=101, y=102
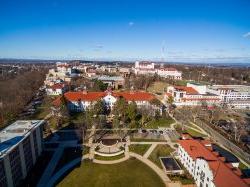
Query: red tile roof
x=224, y=174
x=94, y=96
x=135, y=96
x=188, y=90
x=57, y=86
x=87, y=96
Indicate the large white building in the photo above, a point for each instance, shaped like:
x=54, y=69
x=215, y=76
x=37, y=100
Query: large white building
x=191, y=95
x=142, y=68
x=20, y=146
x=80, y=101
x=235, y=96
x=208, y=167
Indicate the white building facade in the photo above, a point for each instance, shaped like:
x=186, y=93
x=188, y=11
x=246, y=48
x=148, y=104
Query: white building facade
x=235, y=96
x=191, y=95
x=20, y=146
x=145, y=68
x=207, y=167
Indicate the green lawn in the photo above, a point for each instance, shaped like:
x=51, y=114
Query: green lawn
x=140, y=149
x=160, y=151
x=194, y=133
x=242, y=166
x=193, y=126
x=132, y=173
x=162, y=122
x=98, y=157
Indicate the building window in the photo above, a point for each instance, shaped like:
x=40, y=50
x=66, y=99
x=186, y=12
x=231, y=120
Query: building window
x=16, y=168
x=27, y=153
x=3, y=181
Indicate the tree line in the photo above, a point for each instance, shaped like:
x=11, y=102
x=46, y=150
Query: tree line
x=17, y=92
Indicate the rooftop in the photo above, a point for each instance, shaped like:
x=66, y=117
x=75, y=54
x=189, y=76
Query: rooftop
x=238, y=88
x=14, y=133
x=224, y=173
x=113, y=78
x=188, y=90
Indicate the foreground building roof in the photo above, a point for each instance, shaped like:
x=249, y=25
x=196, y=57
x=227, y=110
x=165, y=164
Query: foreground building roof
x=225, y=175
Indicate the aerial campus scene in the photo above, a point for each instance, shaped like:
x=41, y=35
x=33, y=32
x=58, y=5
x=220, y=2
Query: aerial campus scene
x=108, y=93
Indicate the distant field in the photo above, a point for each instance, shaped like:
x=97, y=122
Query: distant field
x=132, y=173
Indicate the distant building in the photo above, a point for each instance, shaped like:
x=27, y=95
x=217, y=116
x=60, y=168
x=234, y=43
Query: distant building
x=191, y=95
x=235, y=96
x=56, y=89
x=125, y=72
x=115, y=82
x=149, y=68
x=80, y=101
x=209, y=165
x=91, y=72
x=20, y=146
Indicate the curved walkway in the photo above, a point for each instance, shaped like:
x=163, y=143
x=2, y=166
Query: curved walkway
x=160, y=172
x=111, y=161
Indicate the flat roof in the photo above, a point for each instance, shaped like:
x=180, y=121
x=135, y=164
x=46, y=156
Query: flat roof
x=236, y=88
x=113, y=78
x=14, y=133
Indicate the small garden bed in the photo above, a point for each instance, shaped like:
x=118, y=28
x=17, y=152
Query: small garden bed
x=117, y=157
x=184, y=179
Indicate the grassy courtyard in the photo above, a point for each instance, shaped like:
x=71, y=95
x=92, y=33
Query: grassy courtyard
x=130, y=173
x=140, y=149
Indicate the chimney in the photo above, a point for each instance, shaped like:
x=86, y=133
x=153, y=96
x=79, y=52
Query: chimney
x=84, y=91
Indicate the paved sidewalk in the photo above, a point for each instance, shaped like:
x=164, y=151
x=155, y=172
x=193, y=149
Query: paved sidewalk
x=159, y=171
x=149, y=151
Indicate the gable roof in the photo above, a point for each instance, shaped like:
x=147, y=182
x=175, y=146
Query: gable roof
x=94, y=96
x=188, y=90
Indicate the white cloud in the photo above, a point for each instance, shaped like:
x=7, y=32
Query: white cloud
x=247, y=35
x=131, y=23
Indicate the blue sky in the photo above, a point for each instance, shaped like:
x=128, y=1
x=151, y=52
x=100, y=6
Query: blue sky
x=176, y=30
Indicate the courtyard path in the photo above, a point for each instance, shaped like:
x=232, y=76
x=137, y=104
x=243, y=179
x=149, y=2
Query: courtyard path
x=160, y=172
x=149, y=151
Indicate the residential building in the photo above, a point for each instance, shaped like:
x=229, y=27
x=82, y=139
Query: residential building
x=20, y=146
x=91, y=72
x=80, y=101
x=208, y=166
x=149, y=68
x=115, y=82
x=56, y=89
x=191, y=95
